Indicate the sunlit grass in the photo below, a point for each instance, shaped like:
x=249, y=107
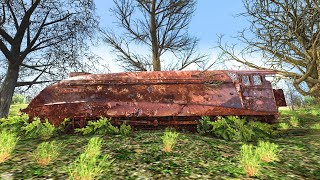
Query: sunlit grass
x=169, y=139
x=267, y=151
x=47, y=152
x=8, y=141
x=250, y=160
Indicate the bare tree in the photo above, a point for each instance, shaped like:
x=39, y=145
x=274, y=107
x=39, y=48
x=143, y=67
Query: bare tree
x=161, y=26
x=286, y=34
x=40, y=40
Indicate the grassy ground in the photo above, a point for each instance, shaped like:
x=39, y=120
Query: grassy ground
x=140, y=156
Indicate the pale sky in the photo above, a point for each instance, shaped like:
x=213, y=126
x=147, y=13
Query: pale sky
x=211, y=18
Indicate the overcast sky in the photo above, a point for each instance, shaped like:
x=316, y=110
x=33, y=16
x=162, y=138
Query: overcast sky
x=211, y=18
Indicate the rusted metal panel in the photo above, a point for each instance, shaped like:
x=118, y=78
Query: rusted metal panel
x=153, y=97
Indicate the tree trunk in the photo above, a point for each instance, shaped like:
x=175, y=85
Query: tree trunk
x=7, y=89
x=154, y=40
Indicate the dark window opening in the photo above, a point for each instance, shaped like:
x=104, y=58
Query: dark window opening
x=256, y=80
x=246, y=80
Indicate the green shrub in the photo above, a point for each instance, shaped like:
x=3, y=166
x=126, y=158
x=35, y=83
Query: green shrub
x=125, y=130
x=14, y=123
x=90, y=165
x=294, y=121
x=315, y=112
x=18, y=99
x=260, y=130
x=47, y=152
x=283, y=126
x=8, y=141
x=169, y=139
x=268, y=152
x=37, y=129
x=315, y=126
x=204, y=125
x=102, y=126
x=250, y=160
x=236, y=129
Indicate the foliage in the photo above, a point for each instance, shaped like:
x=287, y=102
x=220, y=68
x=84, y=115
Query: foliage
x=103, y=126
x=18, y=99
x=125, y=130
x=294, y=121
x=250, y=160
x=47, y=152
x=267, y=151
x=310, y=101
x=169, y=139
x=283, y=126
x=8, y=141
x=90, y=164
x=93, y=148
x=37, y=129
x=204, y=125
x=14, y=123
x=285, y=34
x=315, y=126
x=236, y=129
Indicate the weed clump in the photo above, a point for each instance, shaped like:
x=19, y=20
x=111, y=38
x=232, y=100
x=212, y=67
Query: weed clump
x=268, y=152
x=250, y=160
x=169, y=139
x=294, y=121
x=315, y=126
x=8, y=141
x=103, y=126
x=14, y=123
x=38, y=129
x=46, y=152
x=283, y=126
x=234, y=128
x=90, y=164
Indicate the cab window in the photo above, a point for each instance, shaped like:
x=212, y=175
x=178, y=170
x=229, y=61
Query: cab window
x=256, y=80
x=246, y=80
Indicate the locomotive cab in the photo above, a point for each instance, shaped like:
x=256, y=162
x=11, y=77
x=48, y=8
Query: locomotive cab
x=257, y=93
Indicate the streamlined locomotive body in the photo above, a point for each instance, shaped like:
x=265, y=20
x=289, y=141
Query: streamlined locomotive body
x=159, y=98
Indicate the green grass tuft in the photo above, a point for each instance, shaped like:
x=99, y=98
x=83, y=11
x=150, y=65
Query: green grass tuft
x=8, y=141
x=169, y=139
x=250, y=160
x=47, y=152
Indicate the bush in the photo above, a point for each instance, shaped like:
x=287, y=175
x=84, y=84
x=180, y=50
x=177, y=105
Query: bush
x=37, y=129
x=294, y=121
x=204, y=125
x=14, y=123
x=18, y=99
x=169, y=139
x=46, y=152
x=125, y=130
x=268, y=152
x=315, y=126
x=283, y=126
x=235, y=129
x=103, y=126
x=90, y=164
x=250, y=160
x=8, y=141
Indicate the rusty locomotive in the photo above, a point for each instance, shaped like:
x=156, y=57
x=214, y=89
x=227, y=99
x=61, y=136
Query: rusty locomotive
x=160, y=98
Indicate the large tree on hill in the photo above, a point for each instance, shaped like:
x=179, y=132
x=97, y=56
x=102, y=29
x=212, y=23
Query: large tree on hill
x=159, y=27
x=41, y=38
x=286, y=33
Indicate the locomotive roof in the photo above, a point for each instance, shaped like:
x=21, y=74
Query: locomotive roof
x=160, y=76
